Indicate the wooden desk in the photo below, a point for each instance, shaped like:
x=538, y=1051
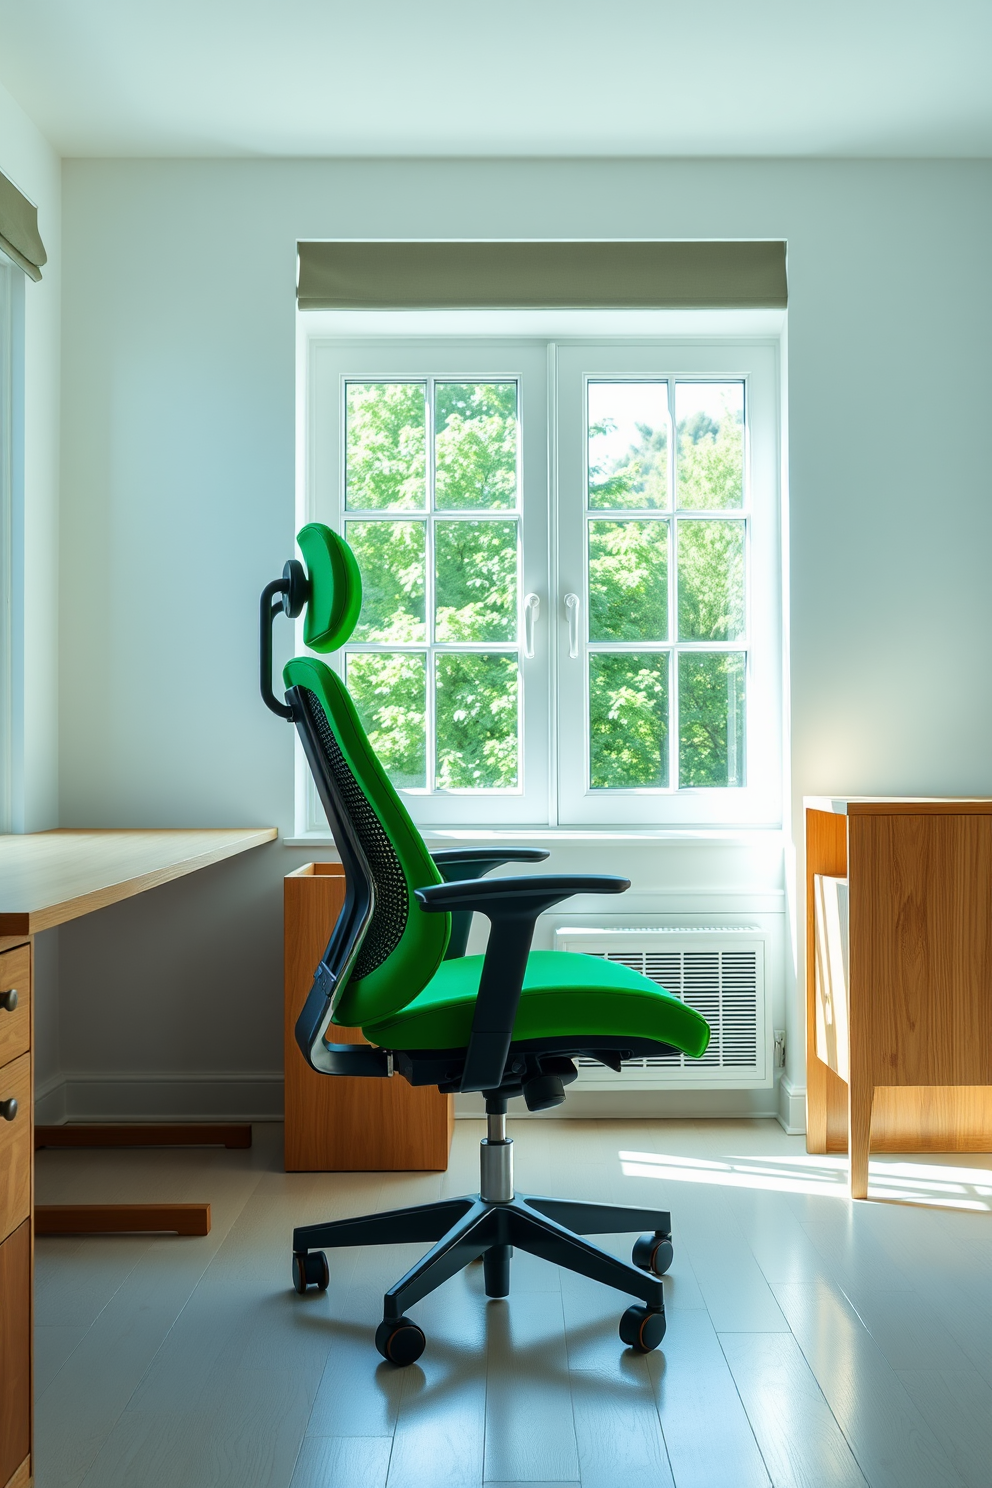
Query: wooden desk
x=899, y=1044
x=47, y=878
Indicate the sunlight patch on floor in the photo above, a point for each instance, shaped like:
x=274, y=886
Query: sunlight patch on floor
x=944, y=1186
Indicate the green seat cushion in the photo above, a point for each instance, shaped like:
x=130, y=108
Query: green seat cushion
x=563, y=994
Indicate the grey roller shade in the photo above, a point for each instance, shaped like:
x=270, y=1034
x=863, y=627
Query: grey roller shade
x=507, y=275
x=19, y=237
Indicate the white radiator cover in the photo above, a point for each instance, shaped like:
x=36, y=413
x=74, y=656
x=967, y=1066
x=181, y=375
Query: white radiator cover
x=719, y=971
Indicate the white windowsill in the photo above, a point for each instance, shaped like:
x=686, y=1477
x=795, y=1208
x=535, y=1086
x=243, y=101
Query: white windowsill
x=560, y=836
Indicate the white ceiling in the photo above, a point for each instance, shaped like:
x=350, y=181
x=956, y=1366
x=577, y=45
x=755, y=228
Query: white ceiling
x=503, y=77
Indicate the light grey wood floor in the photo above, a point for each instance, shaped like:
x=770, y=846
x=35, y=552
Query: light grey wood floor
x=811, y=1343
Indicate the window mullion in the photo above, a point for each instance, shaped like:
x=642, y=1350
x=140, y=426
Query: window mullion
x=429, y=586
x=673, y=598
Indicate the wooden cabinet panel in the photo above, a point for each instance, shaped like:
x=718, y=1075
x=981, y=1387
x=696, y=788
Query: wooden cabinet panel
x=15, y=1027
x=339, y=1123
x=912, y=1070
x=15, y=1352
x=15, y=1145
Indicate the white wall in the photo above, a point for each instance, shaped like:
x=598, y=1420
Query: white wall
x=178, y=503
x=28, y=160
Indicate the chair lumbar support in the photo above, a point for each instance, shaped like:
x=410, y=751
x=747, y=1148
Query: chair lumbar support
x=505, y=1025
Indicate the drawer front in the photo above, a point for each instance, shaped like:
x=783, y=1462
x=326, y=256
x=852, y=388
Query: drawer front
x=15, y=1351
x=15, y=1146
x=15, y=1027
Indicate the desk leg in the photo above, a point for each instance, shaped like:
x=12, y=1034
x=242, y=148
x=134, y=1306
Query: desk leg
x=859, y=1135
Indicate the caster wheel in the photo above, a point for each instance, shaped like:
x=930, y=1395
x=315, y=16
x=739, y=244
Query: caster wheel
x=642, y=1329
x=653, y=1253
x=400, y=1341
x=310, y=1268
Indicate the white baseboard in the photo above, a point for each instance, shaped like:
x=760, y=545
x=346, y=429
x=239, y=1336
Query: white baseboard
x=160, y=1097
x=791, y=1111
x=640, y=1105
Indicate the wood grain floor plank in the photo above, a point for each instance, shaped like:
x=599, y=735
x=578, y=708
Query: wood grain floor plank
x=957, y=1406
x=530, y=1431
x=737, y=1296
x=617, y=1426
x=707, y=1433
x=894, y=1446
x=439, y=1436
x=52, y=1347
x=800, y=1441
x=342, y=1462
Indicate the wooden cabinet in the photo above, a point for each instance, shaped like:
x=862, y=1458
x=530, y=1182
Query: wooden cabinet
x=899, y=977
x=16, y=1182
x=337, y=1123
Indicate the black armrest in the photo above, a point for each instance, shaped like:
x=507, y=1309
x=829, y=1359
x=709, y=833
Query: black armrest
x=473, y=862
x=512, y=905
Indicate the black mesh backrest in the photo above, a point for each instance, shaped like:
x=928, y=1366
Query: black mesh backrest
x=391, y=897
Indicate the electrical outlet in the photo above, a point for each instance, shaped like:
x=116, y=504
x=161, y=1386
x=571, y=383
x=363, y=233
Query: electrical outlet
x=780, y=1048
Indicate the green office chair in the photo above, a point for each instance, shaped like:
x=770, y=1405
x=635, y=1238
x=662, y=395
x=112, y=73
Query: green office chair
x=506, y=1024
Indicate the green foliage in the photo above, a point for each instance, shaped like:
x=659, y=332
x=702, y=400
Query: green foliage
x=476, y=721
x=476, y=579
x=386, y=446
x=475, y=445
x=711, y=580
x=628, y=720
x=711, y=718
x=628, y=581
x=637, y=479
x=710, y=462
x=389, y=690
x=391, y=559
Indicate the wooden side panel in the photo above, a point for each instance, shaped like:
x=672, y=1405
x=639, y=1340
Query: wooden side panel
x=344, y=1124
x=932, y=1118
x=16, y=1154
x=15, y=1027
x=826, y=1095
x=15, y=1351
x=921, y=949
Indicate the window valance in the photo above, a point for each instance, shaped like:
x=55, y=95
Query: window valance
x=352, y=275
x=19, y=236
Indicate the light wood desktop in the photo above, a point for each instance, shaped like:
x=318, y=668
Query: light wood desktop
x=46, y=879
x=899, y=1042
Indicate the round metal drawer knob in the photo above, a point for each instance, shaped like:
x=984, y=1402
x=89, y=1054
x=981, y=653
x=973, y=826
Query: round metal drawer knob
x=8, y=1109
x=8, y=1000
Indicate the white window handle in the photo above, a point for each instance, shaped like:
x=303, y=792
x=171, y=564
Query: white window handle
x=532, y=613
x=572, y=611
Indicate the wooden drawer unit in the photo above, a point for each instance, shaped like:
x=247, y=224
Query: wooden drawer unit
x=15, y=987
x=15, y=1145
x=15, y=1355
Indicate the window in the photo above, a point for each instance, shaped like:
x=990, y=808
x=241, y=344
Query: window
x=571, y=562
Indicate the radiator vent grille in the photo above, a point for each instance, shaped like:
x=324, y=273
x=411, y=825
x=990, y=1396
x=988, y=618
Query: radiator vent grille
x=725, y=983
x=722, y=985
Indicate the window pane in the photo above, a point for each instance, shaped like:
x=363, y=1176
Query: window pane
x=711, y=581
x=628, y=720
x=392, y=563
x=476, y=568
x=475, y=445
x=709, y=417
x=628, y=581
x=385, y=446
x=711, y=718
x=390, y=693
x=477, y=725
x=628, y=444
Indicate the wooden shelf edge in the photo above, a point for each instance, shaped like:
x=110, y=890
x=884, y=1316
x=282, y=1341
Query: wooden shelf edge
x=144, y=1134
x=121, y=1219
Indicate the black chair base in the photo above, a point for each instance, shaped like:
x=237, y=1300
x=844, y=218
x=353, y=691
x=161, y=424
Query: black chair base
x=465, y=1229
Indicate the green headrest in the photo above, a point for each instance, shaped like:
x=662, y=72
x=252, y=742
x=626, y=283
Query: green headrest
x=335, y=588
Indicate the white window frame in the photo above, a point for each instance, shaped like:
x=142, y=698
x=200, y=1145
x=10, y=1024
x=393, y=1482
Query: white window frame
x=697, y=345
